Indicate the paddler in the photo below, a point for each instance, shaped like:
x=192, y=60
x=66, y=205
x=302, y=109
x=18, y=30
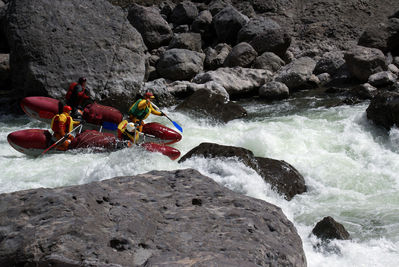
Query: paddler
x=77, y=95
x=127, y=131
x=62, y=124
x=141, y=109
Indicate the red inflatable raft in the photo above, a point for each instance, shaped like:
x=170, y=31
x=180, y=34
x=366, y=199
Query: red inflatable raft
x=34, y=141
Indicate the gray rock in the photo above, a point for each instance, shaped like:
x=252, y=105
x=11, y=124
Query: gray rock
x=203, y=22
x=149, y=22
x=396, y=61
x=181, y=28
x=4, y=47
x=189, y=40
x=384, y=109
x=183, y=89
x=166, y=8
x=160, y=90
x=364, y=91
x=383, y=78
x=180, y=64
x=328, y=229
x=214, y=58
x=237, y=81
x=242, y=55
x=156, y=218
x=227, y=23
x=298, y=74
x=5, y=72
x=152, y=73
x=363, y=62
x=184, y=13
x=84, y=42
x=265, y=35
x=274, y=91
x=283, y=177
x=331, y=63
x=206, y=103
x=392, y=68
x=268, y=61
x=324, y=78
x=215, y=6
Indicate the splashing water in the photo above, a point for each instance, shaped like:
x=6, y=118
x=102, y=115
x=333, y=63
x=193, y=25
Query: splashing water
x=350, y=167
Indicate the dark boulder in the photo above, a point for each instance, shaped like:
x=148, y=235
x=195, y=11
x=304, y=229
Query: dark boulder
x=154, y=219
x=180, y=64
x=214, y=58
x=274, y=91
x=166, y=9
x=215, y=6
x=149, y=22
x=268, y=61
x=228, y=23
x=331, y=63
x=364, y=91
x=184, y=13
x=384, y=109
x=328, y=229
x=283, y=177
x=203, y=25
x=242, y=55
x=265, y=35
x=5, y=83
x=298, y=74
x=212, y=105
x=382, y=79
x=53, y=42
x=363, y=62
x=188, y=40
x=4, y=47
x=181, y=28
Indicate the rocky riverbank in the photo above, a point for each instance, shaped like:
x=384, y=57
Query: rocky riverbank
x=154, y=219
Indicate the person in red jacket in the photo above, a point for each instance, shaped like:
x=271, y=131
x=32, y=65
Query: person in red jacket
x=77, y=95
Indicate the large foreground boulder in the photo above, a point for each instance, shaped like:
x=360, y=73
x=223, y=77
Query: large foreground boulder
x=283, y=177
x=207, y=103
x=384, y=109
x=180, y=64
x=152, y=26
x=237, y=81
x=153, y=219
x=53, y=42
x=298, y=74
x=363, y=62
x=265, y=35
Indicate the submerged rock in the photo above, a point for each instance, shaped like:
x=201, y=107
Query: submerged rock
x=237, y=81
x=207, y=103
x=328, y=229
x=384, y=109
x=54, y=42
x=283, y=177
x=363, y=62
x=149, y=219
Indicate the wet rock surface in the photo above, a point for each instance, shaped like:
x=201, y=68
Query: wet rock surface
x=206, y=103
x=149, y=219
x=328, y=229
x=384, y=109
x=283, y=177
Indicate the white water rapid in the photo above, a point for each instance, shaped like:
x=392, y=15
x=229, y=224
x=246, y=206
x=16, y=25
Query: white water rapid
x=351, y=169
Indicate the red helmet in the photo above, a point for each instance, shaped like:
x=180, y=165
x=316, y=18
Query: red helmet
x=148, y=95
x=67, y=109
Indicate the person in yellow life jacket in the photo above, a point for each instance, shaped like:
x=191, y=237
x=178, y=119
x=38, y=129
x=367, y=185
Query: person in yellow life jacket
x=127, y=132
x=62, y=124
x=141, y=109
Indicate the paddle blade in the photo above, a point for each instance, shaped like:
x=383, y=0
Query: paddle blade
x=178, y=127
x=110, y=126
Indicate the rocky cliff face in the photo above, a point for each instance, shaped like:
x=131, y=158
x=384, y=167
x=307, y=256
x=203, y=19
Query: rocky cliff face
x=154, y=219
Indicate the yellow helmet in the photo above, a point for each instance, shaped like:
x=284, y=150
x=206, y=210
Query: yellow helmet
x=130, y=127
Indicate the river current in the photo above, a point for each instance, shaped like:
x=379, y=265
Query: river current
x=351, y=169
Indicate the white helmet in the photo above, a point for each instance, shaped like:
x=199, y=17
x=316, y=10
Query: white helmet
x=130, y=127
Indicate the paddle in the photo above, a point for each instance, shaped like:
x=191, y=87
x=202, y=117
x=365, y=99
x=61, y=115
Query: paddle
x=178, y=127
x=61, y=140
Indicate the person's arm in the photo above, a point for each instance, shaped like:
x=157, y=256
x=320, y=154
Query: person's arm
x=142, y=104
x=154, y=111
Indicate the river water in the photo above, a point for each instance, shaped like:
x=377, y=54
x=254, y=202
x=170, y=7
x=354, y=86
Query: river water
x=351, y=169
